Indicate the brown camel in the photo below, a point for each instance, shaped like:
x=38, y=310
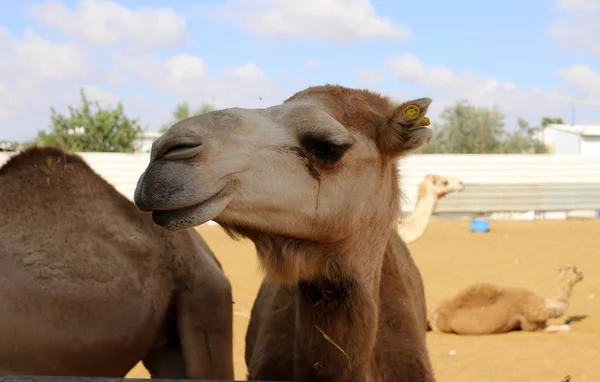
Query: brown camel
x=485, y=308
x=90, y=286
x=313, y=182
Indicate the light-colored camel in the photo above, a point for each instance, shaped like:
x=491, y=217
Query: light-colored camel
x=313, y=182
x=432, y=188
x=485, y=308
x=90, y=286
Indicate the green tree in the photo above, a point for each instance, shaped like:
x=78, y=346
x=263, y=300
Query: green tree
x=523, y=140
x=183, y=111
x=525, y=136
x=90, y=127
x=467, y=129
x=551, y=121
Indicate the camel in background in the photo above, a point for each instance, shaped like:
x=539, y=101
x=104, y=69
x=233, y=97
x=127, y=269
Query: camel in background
x=485, y=308
x=313, y=183
x=89, y=286
x=432, y=188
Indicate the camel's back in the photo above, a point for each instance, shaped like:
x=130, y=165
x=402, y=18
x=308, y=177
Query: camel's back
x=77, y=261
x=476, y=296
x=59, y=217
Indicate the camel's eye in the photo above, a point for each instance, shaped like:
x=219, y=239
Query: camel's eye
x=324, y=151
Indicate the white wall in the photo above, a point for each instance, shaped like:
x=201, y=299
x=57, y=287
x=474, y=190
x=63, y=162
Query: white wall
x=590, y=146
x=123, y=170
x=562, y=142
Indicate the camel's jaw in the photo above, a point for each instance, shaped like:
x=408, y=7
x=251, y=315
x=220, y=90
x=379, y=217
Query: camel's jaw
x=194, y=215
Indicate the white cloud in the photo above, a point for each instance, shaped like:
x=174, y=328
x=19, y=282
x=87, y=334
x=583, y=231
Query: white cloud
x=104, y=98
x=313, y=63
x=36, y=73
x=581, y=30
x=585, y=82
x=183, y=70
x=409, y=66
x=581, y=87
x=244, y=85
x=369, y=75
x=249, y=72
x=322, y=20
x=102, y=22
x=32, y=69
x=579, y=5
x=32, y=58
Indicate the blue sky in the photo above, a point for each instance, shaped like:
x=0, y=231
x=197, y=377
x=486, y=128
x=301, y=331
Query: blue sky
x=532, y=58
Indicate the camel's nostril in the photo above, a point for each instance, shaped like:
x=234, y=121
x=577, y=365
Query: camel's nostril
x=183, y=150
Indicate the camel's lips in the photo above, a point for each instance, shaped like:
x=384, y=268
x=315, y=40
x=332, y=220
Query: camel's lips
x=192, y=215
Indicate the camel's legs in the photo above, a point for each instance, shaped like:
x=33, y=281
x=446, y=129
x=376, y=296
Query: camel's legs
x=166, y=362
x=557, y=328
x=205, y=324
x=527, y=325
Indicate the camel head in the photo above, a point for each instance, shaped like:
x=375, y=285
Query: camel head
x=439, y=185
x=317, y=166
x=570, y=274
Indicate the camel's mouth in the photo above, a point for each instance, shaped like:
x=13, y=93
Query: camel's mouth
x=195, y=214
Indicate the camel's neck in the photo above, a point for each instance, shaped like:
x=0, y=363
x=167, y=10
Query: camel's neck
x=336, y=308
x=557, y=306
x=563, y=291
x=413, y=226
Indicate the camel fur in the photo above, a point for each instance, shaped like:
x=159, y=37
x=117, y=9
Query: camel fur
x=313, y=182
x=432, y=188
x=89, y=286
x=485, y=308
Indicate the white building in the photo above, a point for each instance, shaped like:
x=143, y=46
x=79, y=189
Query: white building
x=144, y=140
x=572, y=139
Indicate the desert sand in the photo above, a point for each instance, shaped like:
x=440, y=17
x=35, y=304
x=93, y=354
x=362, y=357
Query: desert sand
x=450, y=257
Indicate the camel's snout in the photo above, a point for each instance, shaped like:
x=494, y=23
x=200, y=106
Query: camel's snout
x=137, y=195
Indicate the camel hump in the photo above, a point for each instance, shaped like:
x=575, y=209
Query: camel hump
x=73, y=213
x=478, y=295
x=55, y=178
x=37, y=155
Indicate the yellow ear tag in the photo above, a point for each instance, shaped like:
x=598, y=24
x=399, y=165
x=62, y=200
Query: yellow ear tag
x=412, y=111
x=422, y=123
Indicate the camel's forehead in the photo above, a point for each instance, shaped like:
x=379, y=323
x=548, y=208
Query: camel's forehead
x=354, y=108
x=315, y=108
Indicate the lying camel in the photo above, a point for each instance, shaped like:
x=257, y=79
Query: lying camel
x=89, y=285
x=432, y=188
x=313, y=183
x=487, y=309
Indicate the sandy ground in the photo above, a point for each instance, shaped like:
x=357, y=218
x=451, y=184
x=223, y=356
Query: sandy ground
x=525, y=254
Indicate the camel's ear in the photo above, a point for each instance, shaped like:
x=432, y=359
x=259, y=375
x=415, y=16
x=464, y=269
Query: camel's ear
x=406, y=129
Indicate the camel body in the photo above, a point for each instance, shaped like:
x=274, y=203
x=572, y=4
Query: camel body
x=89, y=286
x=485, y=308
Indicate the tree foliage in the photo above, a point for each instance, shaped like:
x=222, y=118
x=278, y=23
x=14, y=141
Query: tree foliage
x=183, y=111
x=90, y=127
x=469, y=129
x=551, y=121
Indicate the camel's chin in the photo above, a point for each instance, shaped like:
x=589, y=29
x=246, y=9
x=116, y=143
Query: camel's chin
x=194, y=215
